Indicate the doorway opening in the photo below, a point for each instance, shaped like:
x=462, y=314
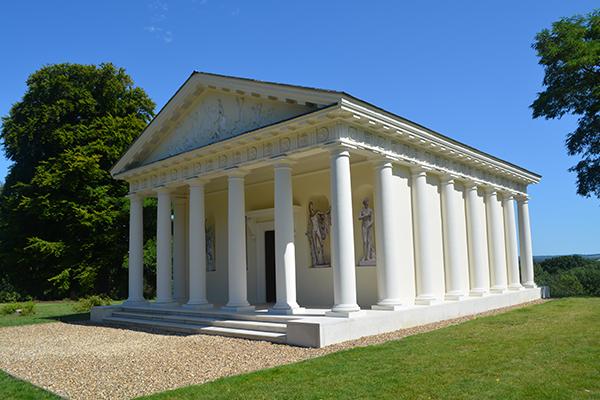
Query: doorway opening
x=270, y=266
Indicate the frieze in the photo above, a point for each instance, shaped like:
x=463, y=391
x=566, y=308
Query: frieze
x=303, y=141
x=237, y=158
x=322, y=134
x=252, y=153
x=285, y=144
x=227, y=155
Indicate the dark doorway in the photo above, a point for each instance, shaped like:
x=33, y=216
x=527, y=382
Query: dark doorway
x=270, y=265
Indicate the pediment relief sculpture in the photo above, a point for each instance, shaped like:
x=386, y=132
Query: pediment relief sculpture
x=221, y=117
x=212, y=122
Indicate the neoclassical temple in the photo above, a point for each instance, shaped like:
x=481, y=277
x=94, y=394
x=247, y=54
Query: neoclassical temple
x=300, y=197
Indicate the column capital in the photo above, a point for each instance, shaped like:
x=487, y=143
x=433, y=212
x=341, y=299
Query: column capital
x=490, y=189
x=521, y=198
x=236, y=173
x=470, y=184
x=447, y=178
x=383, y=161
x=197, y=181
x=418, y=170
x=506, y=194
x=134, y=196
x=282, y=162
x=179, y=200
x=339, y=149
x=163, y=190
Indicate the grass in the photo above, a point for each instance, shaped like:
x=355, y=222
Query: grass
x=45, y=312
x=13, y=388
x=549, y=351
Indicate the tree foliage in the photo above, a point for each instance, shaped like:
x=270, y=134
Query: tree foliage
x=569, y=276
x=63, y=218
x=570, y=55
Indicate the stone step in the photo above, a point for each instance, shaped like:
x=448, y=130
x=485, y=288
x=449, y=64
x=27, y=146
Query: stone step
x=206, y=320
x=215, y=314
x=199, y=328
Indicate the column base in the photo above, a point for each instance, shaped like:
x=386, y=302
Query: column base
x=205, y=306
x=515, y=286
x=454, y=296
x=498, y=290
x=164, y=304
x=181, y=301
x=478, y=292
x=386, y=307
x=135, y=303
x=345, y=308
x=239, y=309
x=426, y=300
x=530, y=285
x=387, y=304
x=346, y=314
x=287, y=311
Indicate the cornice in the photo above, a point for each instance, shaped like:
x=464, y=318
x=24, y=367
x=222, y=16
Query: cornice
x=362, y=130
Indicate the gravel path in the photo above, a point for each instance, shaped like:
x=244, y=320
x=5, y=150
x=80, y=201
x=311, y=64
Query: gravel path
x=90, y=361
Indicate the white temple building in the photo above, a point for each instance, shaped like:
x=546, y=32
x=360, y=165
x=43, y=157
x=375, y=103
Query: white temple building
x=319, y=212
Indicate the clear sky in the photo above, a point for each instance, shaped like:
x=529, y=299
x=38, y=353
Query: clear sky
x=462, y=68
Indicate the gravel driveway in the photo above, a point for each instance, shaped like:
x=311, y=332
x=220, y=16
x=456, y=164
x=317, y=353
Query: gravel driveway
x=89, y=361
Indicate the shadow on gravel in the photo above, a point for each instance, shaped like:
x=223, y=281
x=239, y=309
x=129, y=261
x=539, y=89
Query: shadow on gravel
x=133, y=328
x=75, y=317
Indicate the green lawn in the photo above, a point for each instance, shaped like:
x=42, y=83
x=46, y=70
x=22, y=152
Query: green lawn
x=45, y=312
x=548, y=351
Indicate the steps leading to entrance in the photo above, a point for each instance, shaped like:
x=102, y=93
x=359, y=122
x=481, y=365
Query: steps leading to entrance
x=261, y=327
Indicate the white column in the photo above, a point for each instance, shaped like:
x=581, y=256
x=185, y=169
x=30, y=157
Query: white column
x=423, y=262
x=136, y=250
x=475, y=242
x=510, y=238
x=451, y=239
x=525, y=243
x=342, y=234
x=236, y=244
x=179, y=247
x=285, y=252
x=388, y=267
x=197, y=277
x=164, y=288
x=495, y=234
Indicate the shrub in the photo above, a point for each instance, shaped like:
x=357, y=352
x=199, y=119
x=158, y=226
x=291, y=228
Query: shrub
x=84, y=305
x=28, y=308
x=11, y=308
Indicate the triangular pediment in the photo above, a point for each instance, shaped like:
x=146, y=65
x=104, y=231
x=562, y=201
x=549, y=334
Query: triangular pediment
x=210, y=108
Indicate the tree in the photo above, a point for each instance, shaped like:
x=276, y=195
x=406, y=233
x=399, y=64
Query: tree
x=570, y=55
x=569, y=276
x=63, y=218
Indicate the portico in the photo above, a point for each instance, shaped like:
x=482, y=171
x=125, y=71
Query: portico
x=229, y=159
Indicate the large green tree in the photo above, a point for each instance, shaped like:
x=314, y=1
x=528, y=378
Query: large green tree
x=63, y=219
x=570, y=55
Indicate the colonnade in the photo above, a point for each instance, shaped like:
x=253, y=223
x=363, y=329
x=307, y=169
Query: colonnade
x=499, y=226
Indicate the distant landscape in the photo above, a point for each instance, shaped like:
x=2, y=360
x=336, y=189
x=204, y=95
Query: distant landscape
x=537, y=259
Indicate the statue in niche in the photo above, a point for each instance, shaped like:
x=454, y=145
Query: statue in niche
x=366, y=216
x=318, y=229
x=210, y=248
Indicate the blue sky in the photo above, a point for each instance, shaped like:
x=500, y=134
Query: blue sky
x=462, y=68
